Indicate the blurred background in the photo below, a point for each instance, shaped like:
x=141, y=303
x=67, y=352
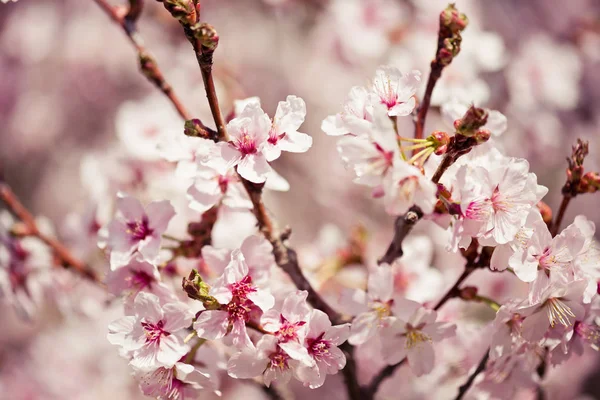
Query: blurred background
x=72, y=100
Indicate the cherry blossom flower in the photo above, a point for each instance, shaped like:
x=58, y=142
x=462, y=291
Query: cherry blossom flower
x=455, y=109
x=153, y=335
x=267, y=359
x=406, y=186
x=373, y=309
x=137, y=276
x=179, y=382
x=289, y=326
x=182, y=149
x=258, y=256
x=356, y=118
x=585, y=333
x=396, y=90
x=412, y=335
x=284, y=135
x=554, y=256
x=321, y=342
x=137, y=229
x=372, y=155
x=495, y=202
x=555, y=303
x=240, y=302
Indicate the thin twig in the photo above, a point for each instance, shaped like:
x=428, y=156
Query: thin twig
x=467, y=385
x=148, y=64
x=61, y=251
x=402, y=227
x=561, y=213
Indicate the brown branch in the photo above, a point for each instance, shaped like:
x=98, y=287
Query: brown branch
x=462, y=391
x=561, y=213
x=61, y=251
x=148, y=65
x=402, y=227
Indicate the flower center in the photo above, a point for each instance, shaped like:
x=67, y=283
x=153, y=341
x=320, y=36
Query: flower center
x=279, y=360
x=589, y=332
x=140, y=280
x=479, y=210
x=318, y=347
x=499, y=202
x=288, y=331
x=154, y=331
x=139, y=229
x=414, y=337
x=557, y=310
x=246, y=144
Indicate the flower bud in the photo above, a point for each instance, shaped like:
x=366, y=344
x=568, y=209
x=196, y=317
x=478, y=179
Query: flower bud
x=468, y=293
x=182, y=10
x=207, y=35
x=453, y=20
x=439, y=141
x=482, y=136
x=590, y=182
x=198, y=290
x=470, y=123
x=546, y=211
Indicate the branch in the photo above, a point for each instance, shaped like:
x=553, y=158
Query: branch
x=60, y=250
x=148, y=65
x=402, y=227
x=480, y=368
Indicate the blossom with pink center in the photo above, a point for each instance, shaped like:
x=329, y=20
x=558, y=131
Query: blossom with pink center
x=506, y=330
x=257, y=252
x=373, y=309
x=135, y=229
x=495, y=202
x=289, y=325
x=241, y=301
x=179, y=382
x=456, y=109
x=322, y=341
x=412, y=335
x=554, y=256
x=137, y=276
x=551, y=304
x=406, y=186
x=585, y=333
x=395, y=90
x=249, y=134
x=267, y=359
x=372, y=155
x=284, y=135
x=153, y=336
x=357, y=117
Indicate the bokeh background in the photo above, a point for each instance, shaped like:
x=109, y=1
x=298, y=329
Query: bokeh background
x=71, y=97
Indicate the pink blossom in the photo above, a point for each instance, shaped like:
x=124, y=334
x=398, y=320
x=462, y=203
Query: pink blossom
x=412, y=335
x=373, y=154
x=406, y=186
x=137, y=229
x=152, y=337
x=249, y=134
x=290, y=327
x=135, y=277
x=241, y=301
x=267, y=359
x=284, y=135
x=553, y=304
x=357, y=117
x=373, y=309
x=496, y=201
x=179, y=382
x=396, y=90
x=321, y=342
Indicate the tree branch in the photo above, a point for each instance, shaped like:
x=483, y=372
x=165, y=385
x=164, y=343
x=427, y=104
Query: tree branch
x=402, y=227
x=480, y=368
x=61, y=251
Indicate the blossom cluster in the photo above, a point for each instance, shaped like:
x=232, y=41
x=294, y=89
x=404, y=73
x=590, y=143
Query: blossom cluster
x=208, y=295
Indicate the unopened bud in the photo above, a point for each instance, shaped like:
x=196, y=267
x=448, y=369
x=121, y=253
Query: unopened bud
x=195, y=128
x=182, y=10
x=440, y=142
x=198, y=290
x=470, y=123
x=590, y=182
x=453, y=20
x=482, y=136
x=207, y=35
x=468, y=293
x=546, y=211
